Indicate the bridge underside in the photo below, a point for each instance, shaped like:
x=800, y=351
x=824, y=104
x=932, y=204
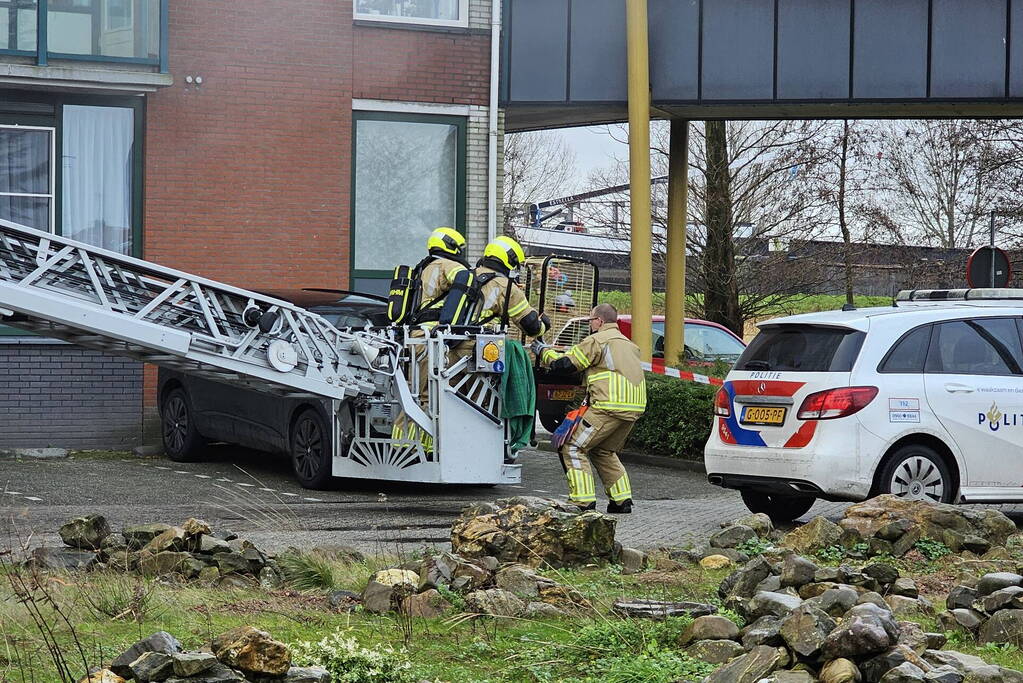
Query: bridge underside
x=564, y=61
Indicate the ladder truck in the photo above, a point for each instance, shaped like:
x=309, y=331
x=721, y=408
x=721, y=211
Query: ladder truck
x=366, y=378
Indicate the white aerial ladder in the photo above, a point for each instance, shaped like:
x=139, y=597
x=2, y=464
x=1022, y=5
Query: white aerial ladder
x=124, y=306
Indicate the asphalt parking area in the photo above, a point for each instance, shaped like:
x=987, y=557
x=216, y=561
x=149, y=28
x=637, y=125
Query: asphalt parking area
x=253, y=493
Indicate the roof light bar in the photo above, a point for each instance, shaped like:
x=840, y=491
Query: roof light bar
x=986, y=293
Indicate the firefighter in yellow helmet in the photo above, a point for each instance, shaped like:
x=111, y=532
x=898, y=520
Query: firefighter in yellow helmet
x=501, y=300
x=436, y=273
x=616, y=395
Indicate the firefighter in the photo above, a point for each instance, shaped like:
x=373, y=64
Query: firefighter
x=501, y=300
x=616, y=396
x=437, y=272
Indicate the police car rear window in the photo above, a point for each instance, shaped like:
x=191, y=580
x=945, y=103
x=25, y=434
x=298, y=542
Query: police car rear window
x=802, y=348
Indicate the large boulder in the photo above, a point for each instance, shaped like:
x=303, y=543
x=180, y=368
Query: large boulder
x=85, y=533
x=137, y=537
x=534, y=531
x=932, y=520
x=715, y=651
x=766, y=604
x=60, y=558
x=865, y=630
x=387, y=588
x=1005, y=626
x=428, y=604
x=752, y=666
x=161, y=641
x=731, y=536
x=805, y=630
x=743, y=582
x=709, y=628
x=495, y=602
x=816, y=534
x=252, y=651
x=840, y=671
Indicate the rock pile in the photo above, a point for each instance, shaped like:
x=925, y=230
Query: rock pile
x=991, y=608
x=534, y=531
x=241, y=654
x=192, y=551
x=892, y=525
x=808, y=623
x=486, y=586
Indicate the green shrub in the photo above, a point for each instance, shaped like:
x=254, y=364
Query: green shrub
x=652, y=666
x=349, y=662
x=752, y=547
x=678, y=418
x=931, y=549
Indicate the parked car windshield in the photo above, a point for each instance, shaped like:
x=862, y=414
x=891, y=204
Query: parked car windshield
x=704, y=342
x=802, y=348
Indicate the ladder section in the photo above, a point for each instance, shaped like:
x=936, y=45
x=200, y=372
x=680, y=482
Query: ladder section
x=125, y=306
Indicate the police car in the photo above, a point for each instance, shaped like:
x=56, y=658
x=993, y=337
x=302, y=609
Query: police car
x=923, y=399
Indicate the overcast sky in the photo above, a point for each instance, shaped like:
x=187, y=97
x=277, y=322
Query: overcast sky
x=593, y=148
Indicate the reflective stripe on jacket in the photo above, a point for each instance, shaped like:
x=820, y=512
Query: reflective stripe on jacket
x=614, y=376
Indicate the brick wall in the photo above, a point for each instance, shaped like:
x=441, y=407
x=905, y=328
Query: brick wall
x=83, y=399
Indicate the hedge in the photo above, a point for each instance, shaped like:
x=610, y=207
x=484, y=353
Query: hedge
x=678, y=418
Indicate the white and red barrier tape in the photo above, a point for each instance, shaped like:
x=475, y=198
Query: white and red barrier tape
x=659, y=368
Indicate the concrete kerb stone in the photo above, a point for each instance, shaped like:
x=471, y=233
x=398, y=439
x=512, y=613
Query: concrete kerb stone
x=34, y=453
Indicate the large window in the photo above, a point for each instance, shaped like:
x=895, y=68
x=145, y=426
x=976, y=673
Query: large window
x=98, y=170
x=409, y=178
x=431, y=12
x=26, y=176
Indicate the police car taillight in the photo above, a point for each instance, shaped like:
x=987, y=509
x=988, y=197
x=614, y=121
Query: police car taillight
x=827, y=405
x=722, y=404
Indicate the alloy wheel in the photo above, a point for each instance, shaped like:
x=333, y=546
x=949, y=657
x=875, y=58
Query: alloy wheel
x=308, y=447
x=175, y=424
x=918, y=478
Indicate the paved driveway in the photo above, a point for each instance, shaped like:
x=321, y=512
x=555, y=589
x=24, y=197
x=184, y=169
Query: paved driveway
x=253, y=494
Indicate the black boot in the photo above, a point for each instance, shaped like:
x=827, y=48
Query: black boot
x=622, y=508
x=587, y=508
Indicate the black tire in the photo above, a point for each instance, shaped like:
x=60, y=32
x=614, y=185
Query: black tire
x=781, y=509
x=917, y=472
x=551, y=421
x=182, y=442
x=310, y=450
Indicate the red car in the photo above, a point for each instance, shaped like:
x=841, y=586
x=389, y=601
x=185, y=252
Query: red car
x=706, y=343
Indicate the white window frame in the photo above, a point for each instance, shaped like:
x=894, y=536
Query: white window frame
x=53, y=173
x=461, y=22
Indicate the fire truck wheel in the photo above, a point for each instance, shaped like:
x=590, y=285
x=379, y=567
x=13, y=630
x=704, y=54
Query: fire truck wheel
x=310, y=450
x=182, y=442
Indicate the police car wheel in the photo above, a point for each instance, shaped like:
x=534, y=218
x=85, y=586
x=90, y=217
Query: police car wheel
x=310, y=450
x=182, y=442
x=917, y=472
x=782, y=509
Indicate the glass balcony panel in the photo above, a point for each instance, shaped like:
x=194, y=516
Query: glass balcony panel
x=18, y=25
x=126, y=29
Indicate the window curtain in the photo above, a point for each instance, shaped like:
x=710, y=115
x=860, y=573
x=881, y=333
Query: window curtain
x=25, y=169
x=97, y=179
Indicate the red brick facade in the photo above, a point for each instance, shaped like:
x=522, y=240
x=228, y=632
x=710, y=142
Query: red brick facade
x=248, y=175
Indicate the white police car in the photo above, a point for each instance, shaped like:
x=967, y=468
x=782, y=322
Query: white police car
x=923, y=399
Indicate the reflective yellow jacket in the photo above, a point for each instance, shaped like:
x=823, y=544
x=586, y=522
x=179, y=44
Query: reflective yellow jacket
x=615, y=382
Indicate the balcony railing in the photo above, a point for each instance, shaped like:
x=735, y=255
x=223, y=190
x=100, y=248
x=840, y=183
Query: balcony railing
x=125, y=31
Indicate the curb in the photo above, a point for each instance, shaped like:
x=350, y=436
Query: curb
x=33, y=453
x=643, y=459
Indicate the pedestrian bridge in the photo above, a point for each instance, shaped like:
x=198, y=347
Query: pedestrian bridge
x=564, y=61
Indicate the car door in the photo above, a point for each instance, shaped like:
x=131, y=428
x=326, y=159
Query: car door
x=974, y=384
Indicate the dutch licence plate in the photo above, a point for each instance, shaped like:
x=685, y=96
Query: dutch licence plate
x=762, y=415
x=563, y=394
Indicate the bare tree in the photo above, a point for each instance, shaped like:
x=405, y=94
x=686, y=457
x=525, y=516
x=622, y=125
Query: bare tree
x=752, y=191
x=537, y=166
x=939, y=180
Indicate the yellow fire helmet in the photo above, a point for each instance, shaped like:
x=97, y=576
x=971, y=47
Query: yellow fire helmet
x=447, y=240
x=507, y=251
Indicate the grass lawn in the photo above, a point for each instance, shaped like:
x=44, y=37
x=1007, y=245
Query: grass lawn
x=107, y=612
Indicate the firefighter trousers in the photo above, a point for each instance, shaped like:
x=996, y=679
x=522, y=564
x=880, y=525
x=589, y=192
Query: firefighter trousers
x=597, y=439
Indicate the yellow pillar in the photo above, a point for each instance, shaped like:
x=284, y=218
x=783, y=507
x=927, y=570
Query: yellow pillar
x=639, y=174
x=675, y=263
